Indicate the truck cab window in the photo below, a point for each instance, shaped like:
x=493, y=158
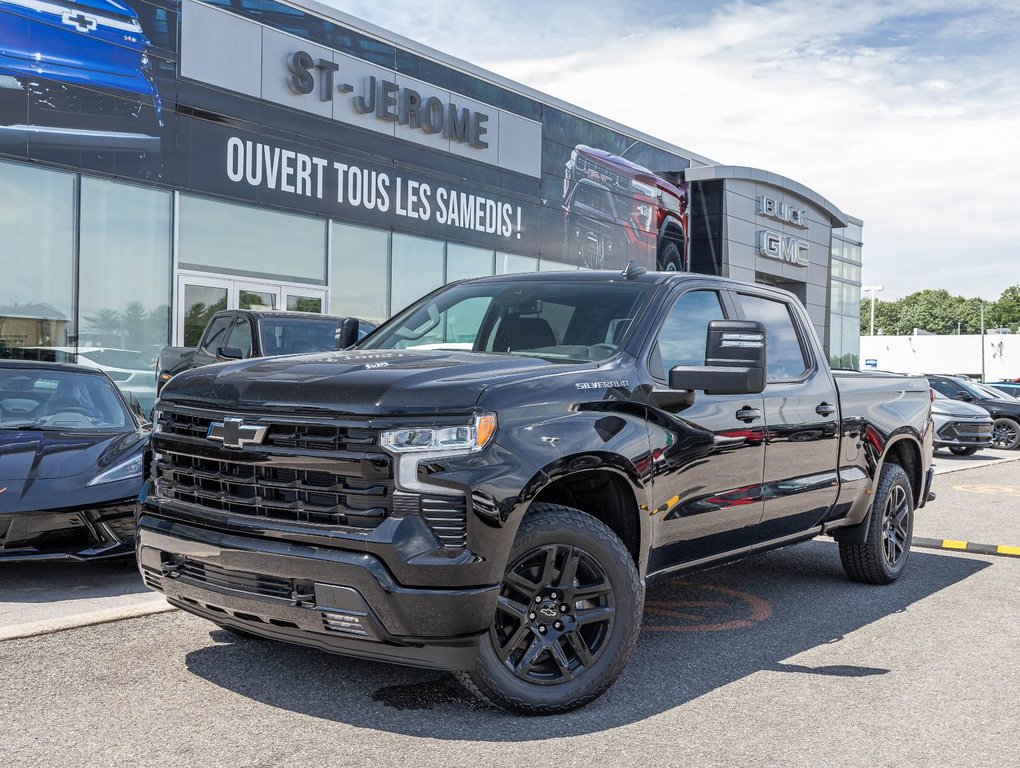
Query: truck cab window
x=684, y=333
x=216, y=335
x=240, y=337
x=786, y=358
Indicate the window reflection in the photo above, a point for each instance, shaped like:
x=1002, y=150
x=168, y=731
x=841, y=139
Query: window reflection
x=37, y=284
x=359, y=272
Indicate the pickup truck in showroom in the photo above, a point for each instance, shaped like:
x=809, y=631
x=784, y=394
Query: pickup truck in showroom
x=486, y=482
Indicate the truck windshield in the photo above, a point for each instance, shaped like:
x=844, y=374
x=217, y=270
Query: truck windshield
x=295, y=335
x=567, y=320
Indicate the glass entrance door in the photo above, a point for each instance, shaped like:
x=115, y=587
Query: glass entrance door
x=200, y=296
x=198, y=299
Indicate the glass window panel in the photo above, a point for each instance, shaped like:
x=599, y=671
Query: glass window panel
x=240, y=336
x=252, y=299
x=852, y=272
x=853, y=252
x=786, y=359
x=201, y=302
x=852, y=299
x=851, y=341
x=509, y=263
x=684, y=334
x=463, y=261
x=837, y=248
x=417, y=269
x=853, y=232
x=304, y=304
x=124, y=279
x=359, y=272
x=37, y=254
x=835, y=336
x=242, y=240
x=837, y=268
x=217, y=335
x=836, y=299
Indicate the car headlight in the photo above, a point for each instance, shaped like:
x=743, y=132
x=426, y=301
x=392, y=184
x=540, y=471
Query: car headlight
x=125, y=470
x=472, y=437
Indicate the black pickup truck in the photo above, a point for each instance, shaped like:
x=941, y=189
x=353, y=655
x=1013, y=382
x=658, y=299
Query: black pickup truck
x=239, y=334
x=486, y=482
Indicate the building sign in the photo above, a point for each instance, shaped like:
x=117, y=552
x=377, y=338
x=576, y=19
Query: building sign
x=785, y=248
x=782, y=212
x=388, y=101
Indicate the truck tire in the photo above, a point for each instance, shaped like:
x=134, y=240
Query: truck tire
x=883, y=555
x=670, y=259
x=962, y=450
x=1005, y=434
x=568, y=617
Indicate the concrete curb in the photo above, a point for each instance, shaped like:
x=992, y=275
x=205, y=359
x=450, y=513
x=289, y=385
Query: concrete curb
x=1003, y=550
x=939, y=471
x=87, y=619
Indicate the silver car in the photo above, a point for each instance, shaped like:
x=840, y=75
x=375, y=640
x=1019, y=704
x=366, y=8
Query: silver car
x=961, y=427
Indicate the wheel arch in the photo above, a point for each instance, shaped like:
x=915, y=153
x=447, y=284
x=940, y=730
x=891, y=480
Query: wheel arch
x=608, y=492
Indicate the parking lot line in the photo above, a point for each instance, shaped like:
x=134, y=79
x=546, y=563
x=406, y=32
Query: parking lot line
x=967, y=546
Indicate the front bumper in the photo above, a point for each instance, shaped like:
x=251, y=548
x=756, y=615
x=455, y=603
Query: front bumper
x=93, y=533
x=963, y=433
x=342, y=601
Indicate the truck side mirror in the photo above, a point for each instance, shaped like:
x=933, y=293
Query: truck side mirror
x=136, y=407
x=735, y=361
x=348, y=333
x=229, y=353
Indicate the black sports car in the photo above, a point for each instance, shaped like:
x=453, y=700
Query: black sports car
x=72, y=451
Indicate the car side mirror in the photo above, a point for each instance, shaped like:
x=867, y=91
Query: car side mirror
x=229, y=353
x=967, y=397
x=735, y=361
x=348, y=333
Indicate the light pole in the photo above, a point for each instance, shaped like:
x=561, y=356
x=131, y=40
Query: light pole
x=873, y=289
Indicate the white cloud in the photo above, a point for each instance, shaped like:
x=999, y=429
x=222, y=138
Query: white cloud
x=903, y=114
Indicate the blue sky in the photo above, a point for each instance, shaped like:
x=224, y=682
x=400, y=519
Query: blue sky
x=905, y=113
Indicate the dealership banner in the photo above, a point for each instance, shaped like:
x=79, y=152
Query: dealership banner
x=304, y=115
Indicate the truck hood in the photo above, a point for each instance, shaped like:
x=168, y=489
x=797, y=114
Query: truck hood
x=358, y=382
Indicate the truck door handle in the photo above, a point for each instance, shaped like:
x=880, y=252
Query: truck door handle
x=825, y=409
x=748, y=414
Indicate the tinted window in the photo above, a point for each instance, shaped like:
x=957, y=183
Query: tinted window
x=683, y=337
x=217, y=334
x=292, y=335
x=240, y=337
x=785, y=354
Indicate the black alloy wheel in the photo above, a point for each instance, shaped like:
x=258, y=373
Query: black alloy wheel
x=1005, y=434
x=567, y=616
x=555, y=614
x=896, y=525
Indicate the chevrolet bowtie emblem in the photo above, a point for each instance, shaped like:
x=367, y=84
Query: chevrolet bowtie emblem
x=234, y=433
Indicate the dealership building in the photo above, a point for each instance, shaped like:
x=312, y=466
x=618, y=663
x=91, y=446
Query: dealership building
x=164, y=159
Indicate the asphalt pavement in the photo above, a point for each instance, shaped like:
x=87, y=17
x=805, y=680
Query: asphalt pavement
x=776, y=660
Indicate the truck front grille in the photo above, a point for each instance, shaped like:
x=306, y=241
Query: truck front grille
x=283, y=493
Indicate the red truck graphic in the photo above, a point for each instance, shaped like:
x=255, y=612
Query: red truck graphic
x=616, y=210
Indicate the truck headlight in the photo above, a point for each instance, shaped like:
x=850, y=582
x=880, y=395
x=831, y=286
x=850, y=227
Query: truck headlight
x=469, y=437
x=125, y=470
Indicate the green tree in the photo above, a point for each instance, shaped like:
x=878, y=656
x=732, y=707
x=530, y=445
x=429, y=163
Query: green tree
x=1006, y=311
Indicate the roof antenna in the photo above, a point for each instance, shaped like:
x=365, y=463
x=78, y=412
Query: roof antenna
x=632, y=270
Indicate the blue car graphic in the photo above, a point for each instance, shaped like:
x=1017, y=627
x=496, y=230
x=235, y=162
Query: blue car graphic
x=76, y=74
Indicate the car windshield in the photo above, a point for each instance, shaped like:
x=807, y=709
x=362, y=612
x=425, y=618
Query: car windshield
x=40, y=399
x=558, y=320
x=294, y=335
